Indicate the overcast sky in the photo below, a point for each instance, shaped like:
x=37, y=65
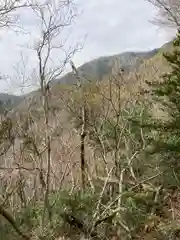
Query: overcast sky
x=110, y=27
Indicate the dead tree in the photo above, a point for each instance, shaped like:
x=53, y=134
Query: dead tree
x=83, y=126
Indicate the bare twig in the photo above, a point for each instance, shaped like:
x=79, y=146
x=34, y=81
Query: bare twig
x=169, y=12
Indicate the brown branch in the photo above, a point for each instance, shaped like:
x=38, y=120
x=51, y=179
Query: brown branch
x=83, y=127
x=168, y=10
x=12, y=221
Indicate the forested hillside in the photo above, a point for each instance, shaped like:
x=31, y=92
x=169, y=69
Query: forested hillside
x=93, y=159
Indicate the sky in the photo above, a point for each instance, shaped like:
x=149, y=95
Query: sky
x=105, y=27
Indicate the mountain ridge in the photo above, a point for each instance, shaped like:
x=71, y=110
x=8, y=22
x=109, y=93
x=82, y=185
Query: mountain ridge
x=96, y=69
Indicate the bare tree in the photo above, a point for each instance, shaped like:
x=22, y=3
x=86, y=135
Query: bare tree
x=53, y=18
x=168, y=12
x=8, y=19
x=83, y=125
x=9, y=12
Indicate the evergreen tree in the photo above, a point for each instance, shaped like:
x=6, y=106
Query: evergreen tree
x=167, y=140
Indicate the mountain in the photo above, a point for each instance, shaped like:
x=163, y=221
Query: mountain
x=5, y=97
x=97, y=70
x=9, y=100
x=102, y=66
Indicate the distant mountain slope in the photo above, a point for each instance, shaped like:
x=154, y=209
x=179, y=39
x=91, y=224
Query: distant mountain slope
x=10, y=100
x=98, y=68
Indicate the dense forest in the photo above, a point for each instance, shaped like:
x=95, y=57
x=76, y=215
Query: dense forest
x=93, y=158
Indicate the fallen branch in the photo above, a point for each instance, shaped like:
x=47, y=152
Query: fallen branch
x=11, y=220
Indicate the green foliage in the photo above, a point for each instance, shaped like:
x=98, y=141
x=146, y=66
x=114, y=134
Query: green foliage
x=167, y=141
x=137, y=207
x=79, y=205
x=30, y=217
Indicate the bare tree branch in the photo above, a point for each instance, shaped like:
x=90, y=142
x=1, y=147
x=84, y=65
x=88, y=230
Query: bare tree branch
x=12, y=221
x=169, y=12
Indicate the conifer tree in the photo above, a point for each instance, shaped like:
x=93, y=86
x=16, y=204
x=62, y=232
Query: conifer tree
x=167, y=140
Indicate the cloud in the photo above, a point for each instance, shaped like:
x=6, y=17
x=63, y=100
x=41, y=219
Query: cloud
x=119, y=25
x=111, y=26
